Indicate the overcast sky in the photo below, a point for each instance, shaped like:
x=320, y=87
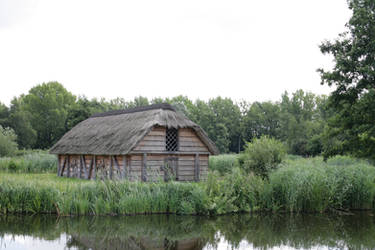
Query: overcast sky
x=251, y=50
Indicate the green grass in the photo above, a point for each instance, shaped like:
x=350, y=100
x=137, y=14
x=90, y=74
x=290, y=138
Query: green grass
x=298, y=185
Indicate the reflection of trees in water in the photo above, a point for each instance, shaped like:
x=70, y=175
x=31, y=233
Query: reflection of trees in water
x=189, y=232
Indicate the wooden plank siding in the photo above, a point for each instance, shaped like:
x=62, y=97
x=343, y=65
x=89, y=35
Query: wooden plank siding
x=153, y=141
x=190, y=142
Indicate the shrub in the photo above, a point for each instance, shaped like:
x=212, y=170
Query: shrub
x=8, y=144
x=262, y=155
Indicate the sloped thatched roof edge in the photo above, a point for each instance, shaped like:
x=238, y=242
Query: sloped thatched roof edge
x=118, y=132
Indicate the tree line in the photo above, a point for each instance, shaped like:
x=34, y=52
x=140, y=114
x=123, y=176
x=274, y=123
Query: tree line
x=49, y=110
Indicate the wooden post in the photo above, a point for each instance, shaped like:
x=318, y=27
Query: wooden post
x=58, y=165
x=68, y=173
x=196, y=167
x=79, y=169
x=63, y=168
x=144, y=168
x=129, y=167
x=119, y=175
x=177, y=169
x=110, y=168
x=94, y=167
x=83, y=161
x=125, y=169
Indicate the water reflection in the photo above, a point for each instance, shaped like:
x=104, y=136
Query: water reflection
x=260, y=231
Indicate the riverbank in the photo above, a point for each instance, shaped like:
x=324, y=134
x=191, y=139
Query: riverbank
x=299, y=185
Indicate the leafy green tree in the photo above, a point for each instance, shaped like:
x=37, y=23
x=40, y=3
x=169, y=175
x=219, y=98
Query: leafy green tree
x=20, y=122
x=227, y=114
x=4, y=115
x=352, y=129
x=301, y=123
x=8, y=144
x=83, y=108
x=49, y=104
x=261, y=119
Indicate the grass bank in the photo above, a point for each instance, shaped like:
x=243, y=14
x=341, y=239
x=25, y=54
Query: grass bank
x=299, y=185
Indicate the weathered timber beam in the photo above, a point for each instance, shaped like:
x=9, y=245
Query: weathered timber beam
x=83, y=160
x=119, y=174
x=144, y=168
x=196, y=167
x=90, y=168
x=124, y=171
x=166, y=153
x=94, y=167
x=111, y=168
x=68, y=173
x=63, y=168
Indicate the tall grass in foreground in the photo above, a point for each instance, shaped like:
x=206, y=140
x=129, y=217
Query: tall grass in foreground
x=299, y=185
x=98, y=198
x=30, y=162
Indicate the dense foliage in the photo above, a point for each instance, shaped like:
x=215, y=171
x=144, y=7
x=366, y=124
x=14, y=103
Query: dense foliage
x=351, y=129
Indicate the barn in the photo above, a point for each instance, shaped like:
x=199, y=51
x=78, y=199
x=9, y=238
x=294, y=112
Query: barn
x=147, y=143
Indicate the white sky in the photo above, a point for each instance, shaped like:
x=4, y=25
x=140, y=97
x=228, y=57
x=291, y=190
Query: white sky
x=251, y=50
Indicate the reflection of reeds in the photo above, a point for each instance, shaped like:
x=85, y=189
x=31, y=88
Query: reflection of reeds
x=260, y=230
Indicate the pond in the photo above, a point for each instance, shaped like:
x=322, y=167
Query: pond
x=239, y=231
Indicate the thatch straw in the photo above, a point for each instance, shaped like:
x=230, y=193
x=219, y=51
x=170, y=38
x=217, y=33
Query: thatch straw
x=118, y=132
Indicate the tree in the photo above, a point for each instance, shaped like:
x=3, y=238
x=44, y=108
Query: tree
x=83, y=108
x=4, y=115
x=49, y=104
x=352, y=128
x=301, y=123
x=8, y=143
x=261, y=119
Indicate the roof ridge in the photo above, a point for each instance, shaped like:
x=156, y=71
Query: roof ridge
x=164, y=106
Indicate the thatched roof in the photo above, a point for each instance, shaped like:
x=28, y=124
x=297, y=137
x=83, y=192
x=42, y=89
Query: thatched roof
x=118, y=132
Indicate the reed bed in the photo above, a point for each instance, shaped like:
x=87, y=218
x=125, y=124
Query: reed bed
x=29, y=162
x=298, y=185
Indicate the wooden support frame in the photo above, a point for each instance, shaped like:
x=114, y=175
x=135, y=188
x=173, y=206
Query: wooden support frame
x=144, y=167
x=124, y=173
x=196, y=168
x=83, y=164
x=110, y=168
x=61, y=171
x=115, y=161
x=68, y=172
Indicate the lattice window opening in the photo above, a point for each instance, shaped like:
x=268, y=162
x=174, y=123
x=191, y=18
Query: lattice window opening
x=171, y=140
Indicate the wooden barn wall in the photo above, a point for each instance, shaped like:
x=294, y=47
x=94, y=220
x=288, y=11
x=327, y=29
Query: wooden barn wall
x=133, y=171
x=190, y=142
x=153, y=141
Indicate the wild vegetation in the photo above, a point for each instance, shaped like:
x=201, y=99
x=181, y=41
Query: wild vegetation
x=36, y=161
x=296, y=185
